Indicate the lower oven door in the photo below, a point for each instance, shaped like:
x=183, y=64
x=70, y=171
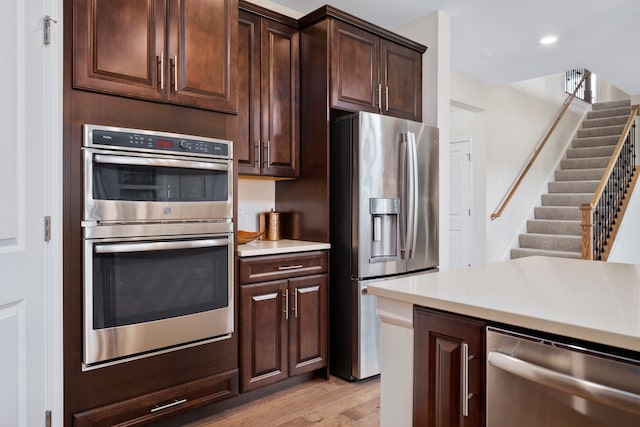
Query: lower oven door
x=533, y=382
x=146, y=295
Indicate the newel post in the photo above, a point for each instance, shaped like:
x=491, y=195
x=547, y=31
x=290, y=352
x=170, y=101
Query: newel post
x=587, y=231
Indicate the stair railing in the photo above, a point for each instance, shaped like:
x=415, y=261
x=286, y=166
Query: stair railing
x=602, y=216
x=524, y=172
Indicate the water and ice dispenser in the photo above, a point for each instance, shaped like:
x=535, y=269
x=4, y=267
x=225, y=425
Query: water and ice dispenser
x=384, y=224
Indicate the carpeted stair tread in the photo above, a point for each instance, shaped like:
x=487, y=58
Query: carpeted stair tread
x=585, y=186
x=584, y=152
x=605, y=121
x=595, y=141
x=570, y=213
x=566, y=199
x=601, y=131
x=610, y=104
x=585, y=163
x=524, y=252
x=609, y=112
x=579, y=174
x=551, y=242
x=552, y=226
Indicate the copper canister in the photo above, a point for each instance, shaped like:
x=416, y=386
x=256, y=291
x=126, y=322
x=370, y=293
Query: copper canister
x=270, y=224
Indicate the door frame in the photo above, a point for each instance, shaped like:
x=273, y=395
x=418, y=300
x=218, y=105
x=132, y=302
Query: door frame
x=53, y=100
x=470, y=184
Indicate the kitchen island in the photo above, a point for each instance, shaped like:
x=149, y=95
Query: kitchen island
x=594, y=302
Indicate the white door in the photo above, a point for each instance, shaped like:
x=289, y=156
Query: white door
x=460, y=203
x=27, y=90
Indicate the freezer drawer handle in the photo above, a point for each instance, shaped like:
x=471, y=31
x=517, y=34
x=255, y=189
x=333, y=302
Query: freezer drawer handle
x=599, y=393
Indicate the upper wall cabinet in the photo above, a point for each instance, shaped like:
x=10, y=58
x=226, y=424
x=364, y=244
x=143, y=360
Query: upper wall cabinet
x=177, y=51
x=268, y=98
x=370, y=73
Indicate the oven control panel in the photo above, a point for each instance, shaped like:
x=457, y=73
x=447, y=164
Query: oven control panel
x=155, y=141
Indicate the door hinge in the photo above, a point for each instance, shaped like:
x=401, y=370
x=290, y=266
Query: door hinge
x=47, y=29
x=469, y=212
x=47, y=419
x=468, y=156
x=47, y=228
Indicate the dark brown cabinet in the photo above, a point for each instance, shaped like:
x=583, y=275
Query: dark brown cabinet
x=370, y=73
x=268, y=115
x=283, y=321
x=449, y=370
x=176, y=51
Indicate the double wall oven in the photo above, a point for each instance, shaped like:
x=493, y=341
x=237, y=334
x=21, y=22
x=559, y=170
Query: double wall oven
x=157, y=242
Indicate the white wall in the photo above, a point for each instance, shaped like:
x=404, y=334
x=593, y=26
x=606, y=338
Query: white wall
x=434, y=31
x=625, y=247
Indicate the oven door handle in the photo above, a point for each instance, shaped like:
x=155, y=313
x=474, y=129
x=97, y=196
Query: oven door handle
x=158, y=246
x=169, y=163
x=589, y=390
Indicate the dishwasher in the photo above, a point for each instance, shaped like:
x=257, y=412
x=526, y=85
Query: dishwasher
x=540, y=382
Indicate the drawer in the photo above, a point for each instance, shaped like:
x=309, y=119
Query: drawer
x=275, y=267
x=148, y=408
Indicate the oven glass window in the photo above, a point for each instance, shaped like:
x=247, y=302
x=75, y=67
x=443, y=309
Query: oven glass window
x=136, y=287
x=156, y=183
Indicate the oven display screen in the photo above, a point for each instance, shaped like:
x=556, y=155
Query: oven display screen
x=163, y=143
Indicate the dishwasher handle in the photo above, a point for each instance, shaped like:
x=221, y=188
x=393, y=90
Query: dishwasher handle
x=609, y=396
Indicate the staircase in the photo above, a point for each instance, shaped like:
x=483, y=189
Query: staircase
x=556, y=231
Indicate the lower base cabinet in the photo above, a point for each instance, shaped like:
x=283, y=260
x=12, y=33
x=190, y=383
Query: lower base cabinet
x=283, y=323
x=152, y=407
x=449, y=370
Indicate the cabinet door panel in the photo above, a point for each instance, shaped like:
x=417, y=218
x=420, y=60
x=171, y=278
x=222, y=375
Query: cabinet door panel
x=263, y=320
x=438, y=365
x=280, y=98
x=247, y=144
x=308, y=324
x=203, y=53
x=354, y=68
x=118, y=45
x=402, y=81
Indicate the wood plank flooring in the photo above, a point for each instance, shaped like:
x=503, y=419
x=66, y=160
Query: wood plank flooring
x=319, y=402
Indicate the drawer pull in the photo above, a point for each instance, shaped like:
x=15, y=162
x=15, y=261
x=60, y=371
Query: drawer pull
x=290, y=267
x=168, y=405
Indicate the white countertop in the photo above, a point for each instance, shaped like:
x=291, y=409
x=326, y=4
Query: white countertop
x=273, y=247
x=589, y=300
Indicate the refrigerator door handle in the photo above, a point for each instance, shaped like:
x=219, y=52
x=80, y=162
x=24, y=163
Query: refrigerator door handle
x=413, y=188
x=404, y=182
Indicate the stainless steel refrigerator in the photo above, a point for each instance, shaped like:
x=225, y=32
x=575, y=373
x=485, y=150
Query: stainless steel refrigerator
x=384, y=223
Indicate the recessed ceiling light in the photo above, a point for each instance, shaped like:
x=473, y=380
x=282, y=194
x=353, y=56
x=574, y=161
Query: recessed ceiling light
x=548, y=40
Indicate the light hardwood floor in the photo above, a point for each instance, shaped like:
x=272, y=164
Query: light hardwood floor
x=319, y=402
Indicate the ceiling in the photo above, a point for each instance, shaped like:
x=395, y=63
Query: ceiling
x=497, y=41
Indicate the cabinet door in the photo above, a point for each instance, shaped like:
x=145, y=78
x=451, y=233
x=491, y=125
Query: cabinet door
x=119, y=47
x=263, y=334
x=203, y=53
x=401, y=78
x=354, y=68
x=247, y=144
x=280, y=99
x=440, y=343
x=307, y=323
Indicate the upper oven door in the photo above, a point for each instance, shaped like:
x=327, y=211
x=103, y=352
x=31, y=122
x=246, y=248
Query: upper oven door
x=124, y=186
